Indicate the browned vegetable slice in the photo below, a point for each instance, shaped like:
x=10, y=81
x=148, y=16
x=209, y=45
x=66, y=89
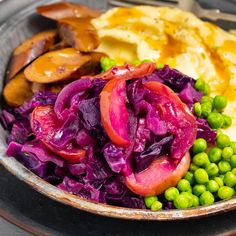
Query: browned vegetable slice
x=37, y=87
x=17, y=91
x=57, y=66
x=55, y=88
x=61, y=10
x=94, y=66
x=79, y=33
x=29, y=50
x=58, y=46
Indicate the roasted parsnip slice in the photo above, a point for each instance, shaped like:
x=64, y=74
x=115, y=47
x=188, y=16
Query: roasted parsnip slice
x=55, y=88
x=79, y=33
x=29, y=50
x=94, y=66
x=55, y=66
x=17, y=90
x=57, y=11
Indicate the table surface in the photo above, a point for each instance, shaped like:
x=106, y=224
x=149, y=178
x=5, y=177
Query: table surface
x=34, y=212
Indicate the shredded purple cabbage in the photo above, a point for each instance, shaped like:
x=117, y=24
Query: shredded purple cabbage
x=204, y=131
x=98, y=177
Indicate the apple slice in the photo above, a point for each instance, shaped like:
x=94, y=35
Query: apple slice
x=128, y=71
x=179, y=120
x=160, y=175
x=45, y=125
x=114, y=114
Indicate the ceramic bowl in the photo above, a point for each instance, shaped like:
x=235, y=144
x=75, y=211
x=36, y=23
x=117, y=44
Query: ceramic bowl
x=16, y=30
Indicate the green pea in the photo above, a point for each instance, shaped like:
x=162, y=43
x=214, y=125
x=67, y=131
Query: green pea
x=160, y=66
x=227, y=153
x=171, y=193
x=212, y=186
x=195, y=201
x=189, y=191
x=146, y=60
x=200, y=159
x=219, y=102
x=206, y=198
x=190, y=198
x=149, y=200
x=197, y=109
x=233, y=171
x=223, y=141
x=107, y=63
x=218, y=132
x=215, y=120
x=193, y=167
x=198, y=189
x=201, y=176
x=224, y=167
x=233, y=146
x=137, y=62
x=200, y=84
x=225, y=192
x=200, y=145
x=215, y=154
x=156, y=206
x=181, y=202
x=189, y=176
x=227, y=121
x=212, y=169
x=230, y=179
x=206, y=109
x=184, y=185
x=206, y=99
x=221, y=176
x=233, y=161
x=207, y=89
x=219, y=181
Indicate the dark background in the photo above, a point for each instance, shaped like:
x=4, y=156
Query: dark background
x=31, y=210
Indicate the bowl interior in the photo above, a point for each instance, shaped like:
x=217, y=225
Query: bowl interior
x=13, y=32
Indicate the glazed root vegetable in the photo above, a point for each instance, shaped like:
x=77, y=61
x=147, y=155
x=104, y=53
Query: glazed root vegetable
x=93, y=66
x=79, y=33
x=29, y=50
x=61, y=65
x=57, y=11
x=159, y=176
x=58, y=46
x=17, y=90
x=55, y=88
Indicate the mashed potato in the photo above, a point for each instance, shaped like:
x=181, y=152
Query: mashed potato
x=174, y=37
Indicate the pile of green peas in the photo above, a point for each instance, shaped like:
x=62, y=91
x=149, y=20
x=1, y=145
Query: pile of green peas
x=211, y=108
x=211, y=176
x=212, y=172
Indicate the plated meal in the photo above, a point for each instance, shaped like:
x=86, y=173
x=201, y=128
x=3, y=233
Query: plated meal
x=133, y=107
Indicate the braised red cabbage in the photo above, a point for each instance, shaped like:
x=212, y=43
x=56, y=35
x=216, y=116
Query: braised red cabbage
x=99, y=176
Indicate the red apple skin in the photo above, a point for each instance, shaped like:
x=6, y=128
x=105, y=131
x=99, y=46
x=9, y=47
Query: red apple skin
x=114, y=114
x=160, y=175
x=127, y=72
x=44, y=124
